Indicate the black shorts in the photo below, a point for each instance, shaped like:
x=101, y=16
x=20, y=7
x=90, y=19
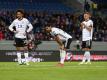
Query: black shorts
x=67, y=43
x=87, y=44
x=20, y=42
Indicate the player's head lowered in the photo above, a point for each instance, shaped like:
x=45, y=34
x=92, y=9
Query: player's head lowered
x=48, y=28
x=19, y=14
x=87, y=16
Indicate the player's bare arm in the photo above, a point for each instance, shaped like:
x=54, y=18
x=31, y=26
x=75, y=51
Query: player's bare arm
x=82, y=26
x=15, y=31
x=11, y=28
x=89, y=28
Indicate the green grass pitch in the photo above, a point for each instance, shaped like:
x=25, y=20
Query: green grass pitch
x=48, y=71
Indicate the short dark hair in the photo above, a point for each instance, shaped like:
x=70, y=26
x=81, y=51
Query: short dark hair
x=21, y=11
x=48, y=24
x=88, y=13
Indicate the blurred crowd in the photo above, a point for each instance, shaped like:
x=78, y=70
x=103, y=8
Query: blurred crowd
x=68, y=22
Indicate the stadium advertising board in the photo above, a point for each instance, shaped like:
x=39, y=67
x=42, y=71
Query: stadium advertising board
x=40, y=56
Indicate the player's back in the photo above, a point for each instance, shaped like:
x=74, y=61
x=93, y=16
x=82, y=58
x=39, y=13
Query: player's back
x=61, y=33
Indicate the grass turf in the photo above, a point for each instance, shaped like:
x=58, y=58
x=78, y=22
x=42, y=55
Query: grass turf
x=48, y=71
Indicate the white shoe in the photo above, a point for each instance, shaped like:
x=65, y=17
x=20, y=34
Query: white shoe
x=81, y=63
x=20, y=63
x=88, y=63
x=27, y=63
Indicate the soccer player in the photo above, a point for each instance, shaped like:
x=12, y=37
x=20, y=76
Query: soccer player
x=21, y=26
x=62, y=38
x=87, y=31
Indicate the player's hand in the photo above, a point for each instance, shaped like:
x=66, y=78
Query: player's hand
x=15, y=32
x=82, y=25
x=61, y=47
x=24, y=34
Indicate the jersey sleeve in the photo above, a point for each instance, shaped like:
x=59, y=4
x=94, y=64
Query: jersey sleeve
x=30, y=26
x=11, y=26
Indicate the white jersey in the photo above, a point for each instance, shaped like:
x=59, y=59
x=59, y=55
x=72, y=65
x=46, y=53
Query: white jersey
x=62, y=35
x=21, y=26
x=87, y=35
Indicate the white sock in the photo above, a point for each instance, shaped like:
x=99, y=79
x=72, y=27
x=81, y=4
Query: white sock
x=62, y=56
x=88, y=56
x=68, y=55
x=19, y=57
x=26, y=56
x=84, y=57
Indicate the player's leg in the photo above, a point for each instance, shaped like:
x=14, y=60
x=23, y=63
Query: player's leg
x=88, y=58
x=63, y=52
x=25, y=51
x=86, y=45
x=88, y=52
x=19, y=56
x=85, y=54
x=84, y=58
x=69, y=55
x=26, y=55
x=62, y=56
x=19, y=50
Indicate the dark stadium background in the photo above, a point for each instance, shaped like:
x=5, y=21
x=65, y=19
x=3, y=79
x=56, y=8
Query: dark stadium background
x=64, y=14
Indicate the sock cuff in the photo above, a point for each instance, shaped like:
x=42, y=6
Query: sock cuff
x=19, y=52
x=63, y=51
x=87, y=51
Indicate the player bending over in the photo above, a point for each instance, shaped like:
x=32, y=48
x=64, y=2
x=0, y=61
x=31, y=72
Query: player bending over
x=87, y=31
x=62, y=38
x=21, y=26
